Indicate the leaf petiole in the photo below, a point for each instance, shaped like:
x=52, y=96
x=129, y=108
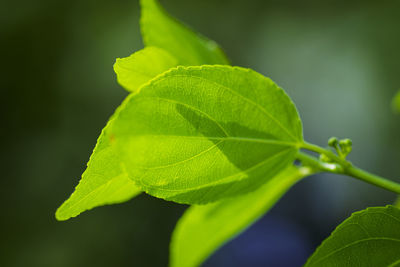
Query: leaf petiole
x=317, y=165
x=373, y=179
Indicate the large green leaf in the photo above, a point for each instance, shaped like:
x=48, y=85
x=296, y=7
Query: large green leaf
x=202, y=229
x=190, y=48
x=103, y=182
x=142, y=66
x=199, y=134
x=368, y=238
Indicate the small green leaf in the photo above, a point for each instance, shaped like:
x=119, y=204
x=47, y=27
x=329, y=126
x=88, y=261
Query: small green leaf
x=203, y=229
x=368, y=238
x=161, y=30
x=199, y=134
x=396, y=103
x=103, y=182
x=142, y=66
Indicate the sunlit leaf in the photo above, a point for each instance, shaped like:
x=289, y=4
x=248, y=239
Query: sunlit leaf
x=204, y=228
x=161, y=30
x=368, y=238
x=103, y=182
x=199, y=134
x=142, y=66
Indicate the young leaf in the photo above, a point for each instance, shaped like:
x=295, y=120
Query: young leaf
x=396, y=103
x=142, y=66
x=368, y=238
x=199, y=134
x=203, y=229
x=103, y=182
x=161, y=30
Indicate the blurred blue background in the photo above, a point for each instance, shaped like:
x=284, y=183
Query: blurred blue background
x=338, y=60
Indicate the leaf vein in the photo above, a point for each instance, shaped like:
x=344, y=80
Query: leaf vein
x=260, y=164
x=356, y=243
x=258, y=106
x=193, y=108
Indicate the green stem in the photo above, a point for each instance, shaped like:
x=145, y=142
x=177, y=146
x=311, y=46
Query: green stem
x=318, y=165
x=342, y=166
x=373, y=179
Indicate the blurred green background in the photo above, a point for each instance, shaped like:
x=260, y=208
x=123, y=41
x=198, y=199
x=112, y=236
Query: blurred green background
x=338, y=60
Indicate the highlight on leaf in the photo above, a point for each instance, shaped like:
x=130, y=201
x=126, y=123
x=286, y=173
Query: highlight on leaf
x=200, y=134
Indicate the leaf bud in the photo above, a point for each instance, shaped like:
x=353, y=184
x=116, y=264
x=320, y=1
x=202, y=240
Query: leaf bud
x=346, y=146
x=333, y=141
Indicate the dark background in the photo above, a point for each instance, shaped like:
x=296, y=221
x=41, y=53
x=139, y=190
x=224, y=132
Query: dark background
x=338, y=60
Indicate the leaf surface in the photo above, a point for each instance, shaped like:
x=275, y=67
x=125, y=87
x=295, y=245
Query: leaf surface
x=142, y=66
x=199, y=134
x=103, y=182
x=203, y=229
x=161, y=30
x=368, y=238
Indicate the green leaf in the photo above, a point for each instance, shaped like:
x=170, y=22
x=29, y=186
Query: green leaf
x=203, y=229
x=103, y=182
x=106, y=183
x=368, y=238
x=396, y=103
x=199, y=134
x=142, y=66
x=190, y=48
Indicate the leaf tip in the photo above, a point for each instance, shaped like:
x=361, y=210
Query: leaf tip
x=60, y=214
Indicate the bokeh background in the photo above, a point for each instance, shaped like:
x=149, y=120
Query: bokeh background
x=338, y=60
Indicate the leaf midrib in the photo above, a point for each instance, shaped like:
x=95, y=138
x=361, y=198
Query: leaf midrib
x=220, y=181
x=263, y=110
x=219, y=139
x=227, y=138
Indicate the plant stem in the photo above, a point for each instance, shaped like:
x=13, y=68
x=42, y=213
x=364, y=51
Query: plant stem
x=318, y=165
x=373, y=179
x=342, y=166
